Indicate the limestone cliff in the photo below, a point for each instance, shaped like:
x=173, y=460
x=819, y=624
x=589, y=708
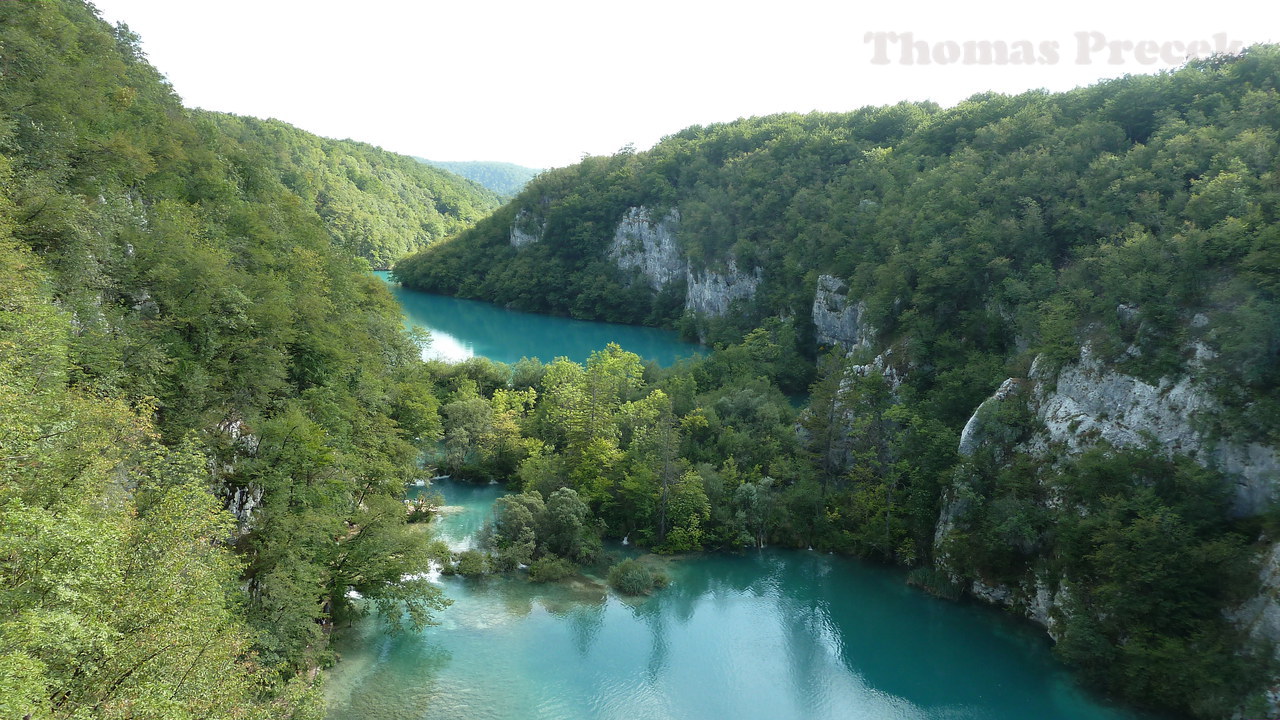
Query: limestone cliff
x=525, y=230
x=837, y=320
x=712, y=292
x=236, y=442
x=1089, y=401
x=648, y=244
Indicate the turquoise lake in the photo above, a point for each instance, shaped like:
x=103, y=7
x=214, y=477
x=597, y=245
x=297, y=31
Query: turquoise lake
x=467, y=328
x=768, y=635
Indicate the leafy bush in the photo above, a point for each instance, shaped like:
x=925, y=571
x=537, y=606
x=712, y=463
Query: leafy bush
x=551, y=569
x=660, y=578
x=935, y=582
x=472, y=563
x=632, y=577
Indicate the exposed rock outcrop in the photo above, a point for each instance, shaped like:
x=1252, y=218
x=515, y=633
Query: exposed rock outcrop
x=711, y=293
x=645, y=242
x=242, y=442
x=883, y=364
x=1035, y=599
x=648, y=244
x=525, y=229
x=837, y=321
x=1260, y=615
x=977, y=429
x=242, y=504
x=1089, y=402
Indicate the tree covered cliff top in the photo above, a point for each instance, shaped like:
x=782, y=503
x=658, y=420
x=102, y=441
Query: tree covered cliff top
x=974, y=236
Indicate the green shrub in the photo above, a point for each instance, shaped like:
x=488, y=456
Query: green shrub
x=472, y=563
x=631, y=577
x=551, y=569
x=660, y=578
x=935, y=582
x=438, y=550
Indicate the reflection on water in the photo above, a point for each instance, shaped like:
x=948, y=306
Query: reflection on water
x=774, y=635
x=466, y=328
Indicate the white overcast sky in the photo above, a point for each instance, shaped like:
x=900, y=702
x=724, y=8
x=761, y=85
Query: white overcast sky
x=541, y=82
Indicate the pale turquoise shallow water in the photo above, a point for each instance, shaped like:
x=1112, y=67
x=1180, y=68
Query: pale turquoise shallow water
x=771, y=635
x=467, y=328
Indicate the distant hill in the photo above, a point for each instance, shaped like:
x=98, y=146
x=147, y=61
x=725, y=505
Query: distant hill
x=506, y=179
x=376, y=204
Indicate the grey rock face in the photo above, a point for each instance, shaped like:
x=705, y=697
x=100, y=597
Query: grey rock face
x=1260, y=615
x=242, y=505
x=974, y=433
x=525, y=230
x=711, y=292
x=648, y=244
x=244, y=500
x=1091, y=402
x=883, y=364
x=838, y=321
x=1034, y=599
x=1087, y=402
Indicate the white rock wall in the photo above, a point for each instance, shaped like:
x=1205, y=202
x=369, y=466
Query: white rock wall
x=837, y=321
x=1090, y=402
x=710, y=293
x=525, y=230
x=648, y=244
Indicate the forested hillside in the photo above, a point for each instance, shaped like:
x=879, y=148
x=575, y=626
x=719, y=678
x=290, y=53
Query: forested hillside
x=1046, y=333
x=964, y=227
x=505, y=179
x=180, y=334
x=1037, y=338
x=376, y=204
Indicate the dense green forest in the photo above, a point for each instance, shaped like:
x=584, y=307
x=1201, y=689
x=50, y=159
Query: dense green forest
x=505, y=179
x=377, y=205
x=706, y=456
x=973, y=231
x=1133, y=222
x=209, y=410
x=180, y=334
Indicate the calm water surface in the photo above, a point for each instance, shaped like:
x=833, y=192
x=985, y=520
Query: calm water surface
x=772, y=635
x=466, y=328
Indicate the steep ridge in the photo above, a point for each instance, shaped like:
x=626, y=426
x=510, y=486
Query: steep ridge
x=180, y=334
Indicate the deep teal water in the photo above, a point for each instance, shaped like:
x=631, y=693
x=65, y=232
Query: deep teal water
x=770, y=635
x=466, y=328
